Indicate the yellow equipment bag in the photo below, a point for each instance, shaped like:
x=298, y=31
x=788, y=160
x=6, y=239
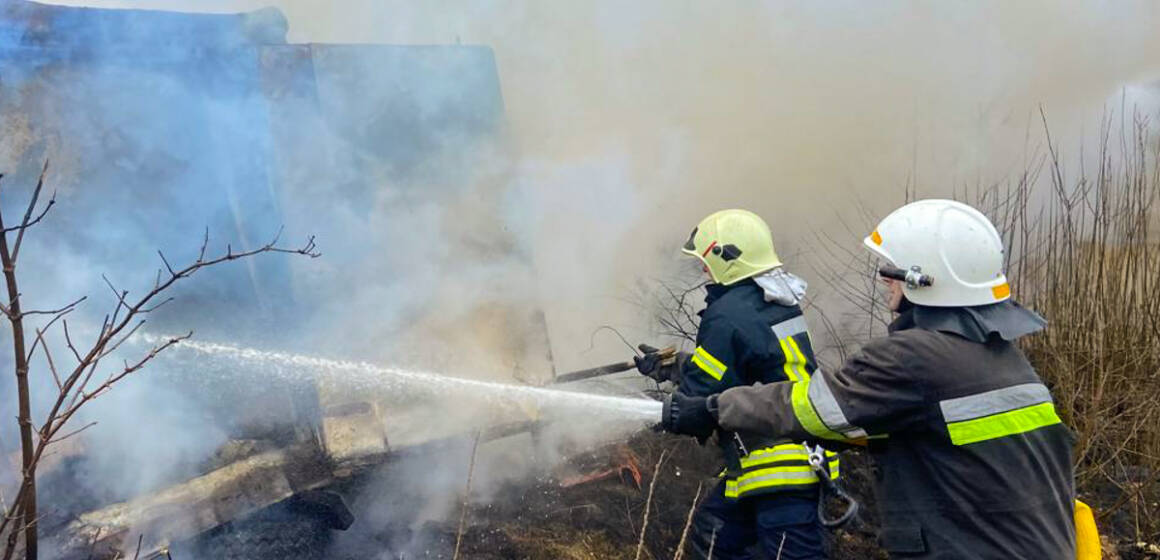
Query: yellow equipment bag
x=1087, y=536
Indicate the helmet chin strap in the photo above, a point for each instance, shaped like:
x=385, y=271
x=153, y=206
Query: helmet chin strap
x=904, y=305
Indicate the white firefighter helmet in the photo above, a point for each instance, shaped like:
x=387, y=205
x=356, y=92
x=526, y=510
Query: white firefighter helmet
x=733, y=245
x=954, y=248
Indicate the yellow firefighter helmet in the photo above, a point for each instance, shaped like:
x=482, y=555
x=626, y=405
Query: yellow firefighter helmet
x=733, y=245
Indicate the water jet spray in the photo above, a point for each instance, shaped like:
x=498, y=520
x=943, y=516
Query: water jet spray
x=364, y=375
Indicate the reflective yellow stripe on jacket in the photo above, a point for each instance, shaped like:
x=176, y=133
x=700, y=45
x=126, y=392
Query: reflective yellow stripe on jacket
x=819, y=413
x=795, y=366
x=708, y=364
x=795, y=361
x=999, y=413
x=780, y=467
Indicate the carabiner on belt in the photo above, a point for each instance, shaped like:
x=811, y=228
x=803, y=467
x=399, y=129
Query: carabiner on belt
x=817, y=459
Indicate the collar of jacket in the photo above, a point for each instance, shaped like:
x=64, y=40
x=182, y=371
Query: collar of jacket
x=714, y=292
x=1006, y=320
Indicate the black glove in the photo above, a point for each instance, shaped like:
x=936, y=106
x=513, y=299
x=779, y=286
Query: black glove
x=661, y=368
x=691, y=416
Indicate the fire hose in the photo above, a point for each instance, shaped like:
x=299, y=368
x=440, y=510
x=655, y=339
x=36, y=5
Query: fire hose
x=665, y=354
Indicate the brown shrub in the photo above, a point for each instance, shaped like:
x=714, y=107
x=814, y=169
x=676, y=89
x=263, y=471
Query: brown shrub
x=1084, y=255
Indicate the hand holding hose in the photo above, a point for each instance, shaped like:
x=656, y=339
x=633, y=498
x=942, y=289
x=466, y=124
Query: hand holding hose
x=691, y=416
x=661, y=364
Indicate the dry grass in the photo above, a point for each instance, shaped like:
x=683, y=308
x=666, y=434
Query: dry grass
x=648, y=505
x=563, y=544
x=1084, y=254
x=688, y=524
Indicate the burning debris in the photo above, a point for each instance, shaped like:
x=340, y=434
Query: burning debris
x=622, y=465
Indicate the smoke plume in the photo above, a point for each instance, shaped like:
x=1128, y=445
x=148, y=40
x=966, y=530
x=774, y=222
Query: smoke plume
x=613, y=128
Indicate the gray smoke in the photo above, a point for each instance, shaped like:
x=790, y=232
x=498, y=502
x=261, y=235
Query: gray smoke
x=563, y=188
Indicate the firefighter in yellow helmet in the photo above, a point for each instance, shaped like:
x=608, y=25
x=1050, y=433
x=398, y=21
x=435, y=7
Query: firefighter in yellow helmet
x=972, y=459
x=751, y=331
x=733, y=245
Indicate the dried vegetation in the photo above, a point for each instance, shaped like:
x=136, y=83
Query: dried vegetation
x=1087, y=257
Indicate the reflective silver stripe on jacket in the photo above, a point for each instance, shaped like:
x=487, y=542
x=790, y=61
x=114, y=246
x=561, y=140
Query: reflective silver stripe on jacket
x=790, y=327
x=828, y=410
x=991, y=402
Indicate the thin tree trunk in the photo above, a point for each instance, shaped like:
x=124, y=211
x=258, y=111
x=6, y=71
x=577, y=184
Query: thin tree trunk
x=21, y=516
x=28, y=507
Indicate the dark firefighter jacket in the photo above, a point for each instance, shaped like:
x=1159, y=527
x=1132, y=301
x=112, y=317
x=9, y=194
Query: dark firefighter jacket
x=971, y=459
x=744, y=339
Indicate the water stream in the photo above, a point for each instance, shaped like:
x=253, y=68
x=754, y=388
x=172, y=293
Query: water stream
x=363, y=375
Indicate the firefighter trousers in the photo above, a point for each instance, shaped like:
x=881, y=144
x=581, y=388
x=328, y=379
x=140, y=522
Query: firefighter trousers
x=785, y=526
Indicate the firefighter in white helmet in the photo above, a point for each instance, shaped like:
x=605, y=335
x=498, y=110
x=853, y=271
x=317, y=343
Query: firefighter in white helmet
x=972, y=459
x=751, y=331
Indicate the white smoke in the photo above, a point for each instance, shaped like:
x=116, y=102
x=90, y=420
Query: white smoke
x=624, y=125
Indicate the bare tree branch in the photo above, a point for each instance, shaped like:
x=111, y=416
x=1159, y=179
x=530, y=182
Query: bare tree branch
x=68, y=341
x=123, y=338
x=204, y=244
x=164, y=260
x=119, y=294
x=70, y=434
x=73, y=388
x=47, y=355
x=60, y=311
x=158, y=305
x=25, y=505
x=127, y=369
x=26, y=222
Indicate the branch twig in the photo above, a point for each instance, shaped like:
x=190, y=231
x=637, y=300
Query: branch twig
x=688, y=523
x=26, y=222
x=466, y=495
x=648, y=504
